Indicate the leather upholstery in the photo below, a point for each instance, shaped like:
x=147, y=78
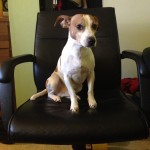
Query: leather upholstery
x=44, y=121
x=146, y=58
x=143, y=69
x=145, y=83
x=7, y=70
x=137, y=56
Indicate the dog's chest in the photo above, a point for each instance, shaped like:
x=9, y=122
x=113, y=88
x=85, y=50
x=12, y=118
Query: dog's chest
x=78, y=64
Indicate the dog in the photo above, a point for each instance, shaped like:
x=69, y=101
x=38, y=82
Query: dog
x=76, y=63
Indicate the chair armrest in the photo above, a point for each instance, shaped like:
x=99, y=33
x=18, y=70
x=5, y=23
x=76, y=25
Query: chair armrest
x=142, y=61
x=7, y=95
x=7, y=68
x=138, y=58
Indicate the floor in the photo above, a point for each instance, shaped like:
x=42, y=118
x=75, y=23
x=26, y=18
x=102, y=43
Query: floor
x=46, y=147
x=133, y=145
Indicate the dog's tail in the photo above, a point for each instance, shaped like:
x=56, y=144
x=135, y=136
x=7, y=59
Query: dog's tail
x=42, y=93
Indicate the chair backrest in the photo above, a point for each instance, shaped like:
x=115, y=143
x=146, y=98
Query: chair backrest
x=49, y=41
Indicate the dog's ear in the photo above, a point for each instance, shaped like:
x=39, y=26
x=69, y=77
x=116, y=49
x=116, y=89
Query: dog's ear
x=96, y=21
x=63, y=20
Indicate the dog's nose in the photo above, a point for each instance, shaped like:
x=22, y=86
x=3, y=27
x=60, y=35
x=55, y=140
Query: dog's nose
x=91, y=41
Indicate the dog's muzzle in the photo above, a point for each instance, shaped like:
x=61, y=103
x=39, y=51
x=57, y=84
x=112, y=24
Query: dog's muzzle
x=91, y=42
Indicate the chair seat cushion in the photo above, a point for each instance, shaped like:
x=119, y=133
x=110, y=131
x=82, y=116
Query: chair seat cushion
x=45, y=121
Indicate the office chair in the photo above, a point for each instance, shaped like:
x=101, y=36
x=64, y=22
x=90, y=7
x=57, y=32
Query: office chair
x=117, y=118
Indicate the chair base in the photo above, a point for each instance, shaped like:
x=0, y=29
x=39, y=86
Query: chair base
x=82, y=147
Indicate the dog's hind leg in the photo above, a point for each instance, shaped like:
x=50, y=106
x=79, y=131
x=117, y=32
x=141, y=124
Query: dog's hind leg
x=54, y=87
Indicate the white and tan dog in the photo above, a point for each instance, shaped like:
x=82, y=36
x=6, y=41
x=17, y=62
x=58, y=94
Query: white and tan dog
x=76, y=63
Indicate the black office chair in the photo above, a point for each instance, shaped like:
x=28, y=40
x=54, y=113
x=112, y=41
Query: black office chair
x=142, y=60
x=116, y=118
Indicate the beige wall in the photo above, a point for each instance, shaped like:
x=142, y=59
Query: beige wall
x=22, y=16
x=133, y=18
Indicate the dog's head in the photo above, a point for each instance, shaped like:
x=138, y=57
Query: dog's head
x=82, y=28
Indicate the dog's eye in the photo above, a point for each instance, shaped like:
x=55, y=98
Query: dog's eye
x=80, y=27
x=95, y=26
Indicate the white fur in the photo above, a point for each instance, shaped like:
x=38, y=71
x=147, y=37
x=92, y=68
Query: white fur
x=75, y=65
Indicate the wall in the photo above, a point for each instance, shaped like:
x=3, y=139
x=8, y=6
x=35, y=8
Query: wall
x=133, y=24
x=22, y=16
x=133, y=21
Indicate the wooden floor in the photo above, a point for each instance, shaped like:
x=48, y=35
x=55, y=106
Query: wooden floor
x=45, y=147
x=132, y=145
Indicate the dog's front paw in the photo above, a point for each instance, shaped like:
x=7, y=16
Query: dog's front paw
x=92, y=103
x=74, y=107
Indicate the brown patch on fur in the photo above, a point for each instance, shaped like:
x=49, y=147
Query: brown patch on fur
x=63, y=20
x=77, y=24
x=76, y=20
x=81, y=19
